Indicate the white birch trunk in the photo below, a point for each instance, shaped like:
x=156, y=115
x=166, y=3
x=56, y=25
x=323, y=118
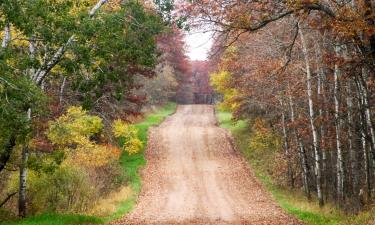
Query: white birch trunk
x=301, y=152
x=312, y=117
x=62, y=90
x=96, y=7
x=42, y=72
x=365, y=94
x=338, y=124
x=7, y=36
x=322, y=98
x=364, y=139
x=286, y=144
x=32, y=51
x=23, y=177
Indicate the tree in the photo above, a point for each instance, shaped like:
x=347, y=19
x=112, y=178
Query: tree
x=98, y=54
x=307, y=54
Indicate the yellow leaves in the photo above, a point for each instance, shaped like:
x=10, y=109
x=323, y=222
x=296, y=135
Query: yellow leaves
x=133, y=146
x=127, y=135
x=74, y=127
x=123, y=129
x=93, y=155
x=221, y=83
x=263, y=139
x=72, y=132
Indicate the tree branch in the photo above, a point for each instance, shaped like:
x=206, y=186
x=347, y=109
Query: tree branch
x=43, y=71
x=7, y=198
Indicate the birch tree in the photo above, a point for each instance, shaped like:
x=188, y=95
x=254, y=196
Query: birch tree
x=312, y=118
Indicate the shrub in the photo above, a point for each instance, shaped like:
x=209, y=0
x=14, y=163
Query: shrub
x=67, y=189
x=74, y=131
x=221, y=83
x=263, y=149
x=127, y=135
x=74, y=127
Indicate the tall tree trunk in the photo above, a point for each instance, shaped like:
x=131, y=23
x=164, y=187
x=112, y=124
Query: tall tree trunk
x=312, y=118
x=368, y=114
x=322, y=98
x=7, y=36
x=62, y=91
x=352, y=151
x=364, y=140
x=286, y=144
x=8, y=148
x=23, y=177
x=338, y=124
x=301, y=152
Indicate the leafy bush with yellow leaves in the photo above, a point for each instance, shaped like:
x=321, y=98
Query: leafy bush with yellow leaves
x=220, y=81
x=263, y=139
x=73, y=132
x=74, y=127
x=263, y=149
x=127, y=136
x=84, y=169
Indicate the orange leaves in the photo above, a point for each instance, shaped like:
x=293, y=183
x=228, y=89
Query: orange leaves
x=93, y=156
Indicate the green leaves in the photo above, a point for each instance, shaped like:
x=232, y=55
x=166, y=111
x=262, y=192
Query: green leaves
x=16, y=96
x=113, y=49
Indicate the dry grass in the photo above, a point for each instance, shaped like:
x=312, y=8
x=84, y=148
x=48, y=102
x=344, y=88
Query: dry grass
x=109, y=205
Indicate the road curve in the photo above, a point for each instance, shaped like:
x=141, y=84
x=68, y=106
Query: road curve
x=195, y=176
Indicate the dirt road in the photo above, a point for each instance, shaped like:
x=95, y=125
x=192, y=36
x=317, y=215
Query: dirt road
x=194, y=176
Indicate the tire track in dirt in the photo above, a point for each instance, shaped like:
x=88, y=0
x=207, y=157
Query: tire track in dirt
x=195, y=176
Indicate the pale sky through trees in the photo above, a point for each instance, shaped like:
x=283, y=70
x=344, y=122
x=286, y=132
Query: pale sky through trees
x=198, y=44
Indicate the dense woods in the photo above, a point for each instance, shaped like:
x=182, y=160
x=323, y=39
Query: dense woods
x=302, y=72
x=74, y=77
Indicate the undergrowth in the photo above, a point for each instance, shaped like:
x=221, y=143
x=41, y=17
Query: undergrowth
x=292, y=201
x=122, y=201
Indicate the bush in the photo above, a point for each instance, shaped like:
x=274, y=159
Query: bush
x=263, y=141
x=81, y=169
x=67, y=189
x=128, y=137
x=263, y=150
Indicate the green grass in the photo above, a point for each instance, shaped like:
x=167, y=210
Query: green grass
x=130, y=164
x=295, y=203
x=292, y=201
x=225, y=121
x=58, y=219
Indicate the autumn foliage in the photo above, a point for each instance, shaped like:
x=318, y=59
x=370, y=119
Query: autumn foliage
x=304, y=68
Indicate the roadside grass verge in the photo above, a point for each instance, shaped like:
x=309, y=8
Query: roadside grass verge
x=132, y=163
x=121, y=203
x=294, y=202
x=58, y=219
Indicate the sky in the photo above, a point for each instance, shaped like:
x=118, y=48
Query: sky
x=198, y=44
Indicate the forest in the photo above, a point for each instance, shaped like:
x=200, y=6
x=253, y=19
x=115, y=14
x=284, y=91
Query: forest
x=310, y=77
x=83, y=81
